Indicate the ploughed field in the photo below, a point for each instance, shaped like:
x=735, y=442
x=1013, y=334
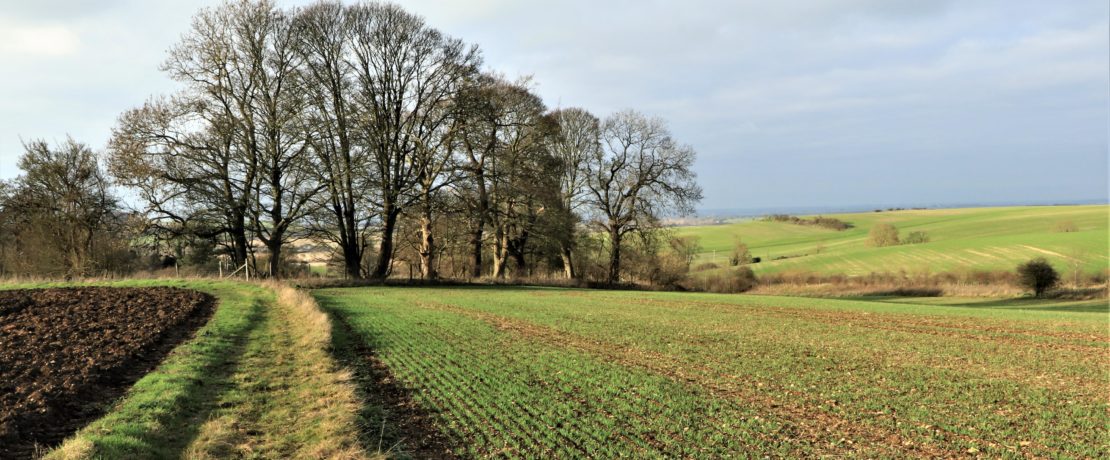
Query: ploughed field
x=66, y=353
x=538, y=372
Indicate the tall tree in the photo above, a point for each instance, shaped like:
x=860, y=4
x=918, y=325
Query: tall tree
x=280, y=138
x=575, y=142
x=178, y=155
x=227, y=155
x=405, y=71
x=476, y=132
x=501, y=136
x=521, y=176
x=344, y=214
x=638, y=176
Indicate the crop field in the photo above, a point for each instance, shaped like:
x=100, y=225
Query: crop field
x=255, y=381
x=960, y=239
x=543, y=372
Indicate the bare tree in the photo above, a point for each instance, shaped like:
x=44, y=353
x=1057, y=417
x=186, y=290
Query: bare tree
x=640, y=175
x=344, y=214
x=281, y=138
x=405, y=71
x=521, y=173
x=502, y=135
x=228, y=155
x=477, y=126
x=576, y=141
x=178, y=156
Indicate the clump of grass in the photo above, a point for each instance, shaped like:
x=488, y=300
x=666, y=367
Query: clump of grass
x=1065, y=226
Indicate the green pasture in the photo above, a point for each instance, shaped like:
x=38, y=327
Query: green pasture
x=960, y=240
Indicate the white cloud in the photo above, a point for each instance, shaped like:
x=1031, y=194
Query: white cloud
x=48, y=40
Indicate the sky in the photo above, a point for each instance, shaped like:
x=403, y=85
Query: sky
x=792, y=103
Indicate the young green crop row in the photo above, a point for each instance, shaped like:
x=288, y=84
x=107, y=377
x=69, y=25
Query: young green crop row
x=541, y=372
x=500, y=393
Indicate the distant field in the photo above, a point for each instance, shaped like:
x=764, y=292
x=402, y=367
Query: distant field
x=961, y=239
x=536, y=372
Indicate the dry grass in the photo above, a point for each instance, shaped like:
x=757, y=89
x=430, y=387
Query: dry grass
x=328, y=414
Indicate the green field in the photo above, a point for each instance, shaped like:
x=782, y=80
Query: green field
x=543, y=372
x=961, y=239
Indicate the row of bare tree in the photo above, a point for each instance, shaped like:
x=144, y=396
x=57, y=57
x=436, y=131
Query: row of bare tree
x=344, y=123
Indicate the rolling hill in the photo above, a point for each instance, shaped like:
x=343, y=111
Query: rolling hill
x=959, y=240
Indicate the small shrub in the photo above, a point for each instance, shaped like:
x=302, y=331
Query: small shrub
x=917, y=237
x=1065, y=226
x=1038, y=276
x=741, y=255
x=883, y=235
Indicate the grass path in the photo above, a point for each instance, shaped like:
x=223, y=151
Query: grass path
x=257, y=381
x=533, y=372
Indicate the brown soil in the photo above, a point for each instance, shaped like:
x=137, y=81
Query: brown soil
x=67, y=353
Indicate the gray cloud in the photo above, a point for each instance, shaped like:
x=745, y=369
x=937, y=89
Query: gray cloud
x=788, y=103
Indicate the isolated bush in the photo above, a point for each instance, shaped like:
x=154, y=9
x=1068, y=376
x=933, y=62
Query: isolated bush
x=741, y=255
x=883, y=235
x=1037, y=275
x=1065, y=226
x=917, y=237
x=686, y=247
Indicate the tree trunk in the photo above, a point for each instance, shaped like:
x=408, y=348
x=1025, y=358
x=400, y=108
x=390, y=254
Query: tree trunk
x=516, y=250
x=476, y=244
x=521, y=264
x=480, y=226
x=568, y=265
x=427, y=247
x=500, y=252
x=352, y=260
x=614, y=257
x=275, y=258
x=239, y=243
x=385, y=250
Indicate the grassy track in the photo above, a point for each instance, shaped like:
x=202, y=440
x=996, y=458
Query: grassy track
x=256, y=382
x=961, y=239
x=538, y=372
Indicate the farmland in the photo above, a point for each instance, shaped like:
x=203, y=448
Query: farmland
x=541, y=372
x=255, y=381
x=62, y=349
x=960, y=239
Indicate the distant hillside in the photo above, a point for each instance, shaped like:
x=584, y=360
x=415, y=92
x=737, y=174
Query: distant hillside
x=959, y=239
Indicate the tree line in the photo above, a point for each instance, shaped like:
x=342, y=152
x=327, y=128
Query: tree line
x=363, y=127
